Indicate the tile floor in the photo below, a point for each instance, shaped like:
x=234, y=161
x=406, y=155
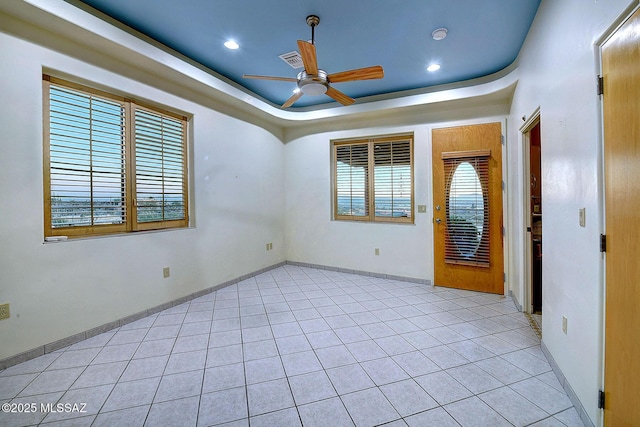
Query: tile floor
x=302, y=346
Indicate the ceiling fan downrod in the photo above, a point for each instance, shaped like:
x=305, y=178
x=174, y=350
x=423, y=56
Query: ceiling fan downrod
x=313, y=21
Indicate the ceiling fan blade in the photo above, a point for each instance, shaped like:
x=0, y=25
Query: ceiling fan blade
x=309, y=58
x=283, y=79
x=293, y=99
x=367, y=73
x=339, y=96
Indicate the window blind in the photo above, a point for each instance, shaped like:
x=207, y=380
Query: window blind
x=373, y=179
x=352, y=180
x=393, y=178
x=467, y=207
x=160, y=169
x=86, y=159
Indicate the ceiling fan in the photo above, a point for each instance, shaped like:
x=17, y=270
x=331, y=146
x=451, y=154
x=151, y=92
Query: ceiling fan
x=314, y=81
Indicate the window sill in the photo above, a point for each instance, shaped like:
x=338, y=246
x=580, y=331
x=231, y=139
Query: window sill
x=380, y=221
x=52, y=240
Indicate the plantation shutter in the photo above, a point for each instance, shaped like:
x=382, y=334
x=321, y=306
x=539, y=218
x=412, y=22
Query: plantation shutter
x=373, y=179
x=467, y=207
x=393, y=178
x=352, y=180
x=110, y=166
x=160, y=170
x=85, y=161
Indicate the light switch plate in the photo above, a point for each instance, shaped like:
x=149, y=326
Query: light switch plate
x=582, y=217
x=422, y=208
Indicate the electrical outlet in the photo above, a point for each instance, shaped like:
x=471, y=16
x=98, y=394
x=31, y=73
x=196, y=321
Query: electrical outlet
x=564, y=324
x=4, y=311
x=166, y=272
x=377, y=251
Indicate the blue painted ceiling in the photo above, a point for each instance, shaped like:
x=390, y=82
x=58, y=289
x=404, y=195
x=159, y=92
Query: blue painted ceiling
x=483, y=37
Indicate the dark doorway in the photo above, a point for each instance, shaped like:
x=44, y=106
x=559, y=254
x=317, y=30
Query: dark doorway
x=535, y=169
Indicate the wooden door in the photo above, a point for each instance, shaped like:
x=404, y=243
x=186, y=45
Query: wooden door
x=468, y=154
x=621, y=103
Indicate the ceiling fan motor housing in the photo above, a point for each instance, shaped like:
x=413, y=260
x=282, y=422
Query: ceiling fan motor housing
x=313, y=85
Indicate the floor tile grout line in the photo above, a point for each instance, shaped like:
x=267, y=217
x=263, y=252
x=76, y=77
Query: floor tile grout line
x=244, y=365
x=323, y=370
x=87, y=367
x=288, y=376
x=295, y=405
x=375, y=386
x=129, y=363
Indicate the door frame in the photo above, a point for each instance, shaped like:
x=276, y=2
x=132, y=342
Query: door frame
x=527, y=249
x=506, y=218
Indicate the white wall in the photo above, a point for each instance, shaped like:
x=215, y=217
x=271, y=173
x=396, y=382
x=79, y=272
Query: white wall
x=59, y=289
x=311, y=235
x=558, y=67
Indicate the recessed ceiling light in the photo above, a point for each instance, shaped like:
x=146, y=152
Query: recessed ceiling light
x=433, y=67
x=231, y=44
x=439, y=33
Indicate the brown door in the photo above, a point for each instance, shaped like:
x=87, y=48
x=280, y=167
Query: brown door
x=621, y=103
x=467, y=202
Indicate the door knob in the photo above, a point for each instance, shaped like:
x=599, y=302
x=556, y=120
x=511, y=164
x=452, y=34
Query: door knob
x=438, y=220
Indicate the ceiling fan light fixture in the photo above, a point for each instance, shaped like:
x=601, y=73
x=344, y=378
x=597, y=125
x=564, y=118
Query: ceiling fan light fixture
x=439, y=34
x=313, y=85
x=314, y=89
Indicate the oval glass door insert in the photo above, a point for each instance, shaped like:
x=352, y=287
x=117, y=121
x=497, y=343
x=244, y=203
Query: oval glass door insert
x=467, y=213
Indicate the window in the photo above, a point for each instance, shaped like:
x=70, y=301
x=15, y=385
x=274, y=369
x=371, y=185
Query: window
x=110, y=165
x=381, y=167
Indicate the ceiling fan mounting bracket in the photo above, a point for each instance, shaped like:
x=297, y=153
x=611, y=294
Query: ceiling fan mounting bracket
x=313, y=21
